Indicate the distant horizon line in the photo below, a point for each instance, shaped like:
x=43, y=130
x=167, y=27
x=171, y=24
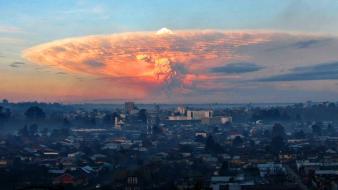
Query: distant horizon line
x=163, y=103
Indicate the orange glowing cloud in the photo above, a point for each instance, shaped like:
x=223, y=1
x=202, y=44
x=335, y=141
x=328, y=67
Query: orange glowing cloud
x=202, y=63
x=159, y=58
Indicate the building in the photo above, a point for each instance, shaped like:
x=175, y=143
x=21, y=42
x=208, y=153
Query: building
x=270, y=169
x=129, y=107
x=200, y=114
x=153, y=119
x=118, y=123
x=218, y=120
x=178, y=118
x=226, y=119
x=201, y=134
x=230, y=183
x=181, y=110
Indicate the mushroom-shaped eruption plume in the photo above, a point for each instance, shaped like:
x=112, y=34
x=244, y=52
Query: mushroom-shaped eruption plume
x=161, y=58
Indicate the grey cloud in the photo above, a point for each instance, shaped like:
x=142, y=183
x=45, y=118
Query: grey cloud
x=16, y=64
x=94, y=63
x=307, y=43
x=324, y=71
x=175, y=78
x=303, y=44
x=61, y=73
x=180, y=68
x=242, y=67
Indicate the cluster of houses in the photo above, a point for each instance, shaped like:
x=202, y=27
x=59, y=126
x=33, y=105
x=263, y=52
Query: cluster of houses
x=179, y=148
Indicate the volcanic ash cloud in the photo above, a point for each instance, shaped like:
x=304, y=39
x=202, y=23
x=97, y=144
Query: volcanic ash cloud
x=204, y=64
x=152, y=57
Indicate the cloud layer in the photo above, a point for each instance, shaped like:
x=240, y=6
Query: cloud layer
x=324, y=71
x=192, y=62
x=241, y=67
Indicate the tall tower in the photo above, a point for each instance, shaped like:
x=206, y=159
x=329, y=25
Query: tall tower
x=149, y=125
x=117, y=124
x=157, y=115
x=153, y=119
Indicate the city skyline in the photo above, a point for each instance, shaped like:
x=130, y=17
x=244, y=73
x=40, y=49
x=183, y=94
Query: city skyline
x=81, y=51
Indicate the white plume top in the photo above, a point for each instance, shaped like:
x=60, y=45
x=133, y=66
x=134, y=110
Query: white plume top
x=164, y=31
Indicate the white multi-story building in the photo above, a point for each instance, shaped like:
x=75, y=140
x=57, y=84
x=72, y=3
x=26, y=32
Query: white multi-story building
x=200, y=114
x=182, y=110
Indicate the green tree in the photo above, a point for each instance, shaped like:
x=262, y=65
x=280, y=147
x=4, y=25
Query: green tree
x=278, y=130
x=35, y=113
x=237, y=141
x=277, y=144
x=317, y=129
x=212, y=146
x=142, y=115
x=5, y=114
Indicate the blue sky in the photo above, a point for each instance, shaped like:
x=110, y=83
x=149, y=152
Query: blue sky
x=45, y=20
x=38, y=21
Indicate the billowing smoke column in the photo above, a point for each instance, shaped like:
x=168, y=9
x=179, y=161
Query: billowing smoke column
x=163, y=69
